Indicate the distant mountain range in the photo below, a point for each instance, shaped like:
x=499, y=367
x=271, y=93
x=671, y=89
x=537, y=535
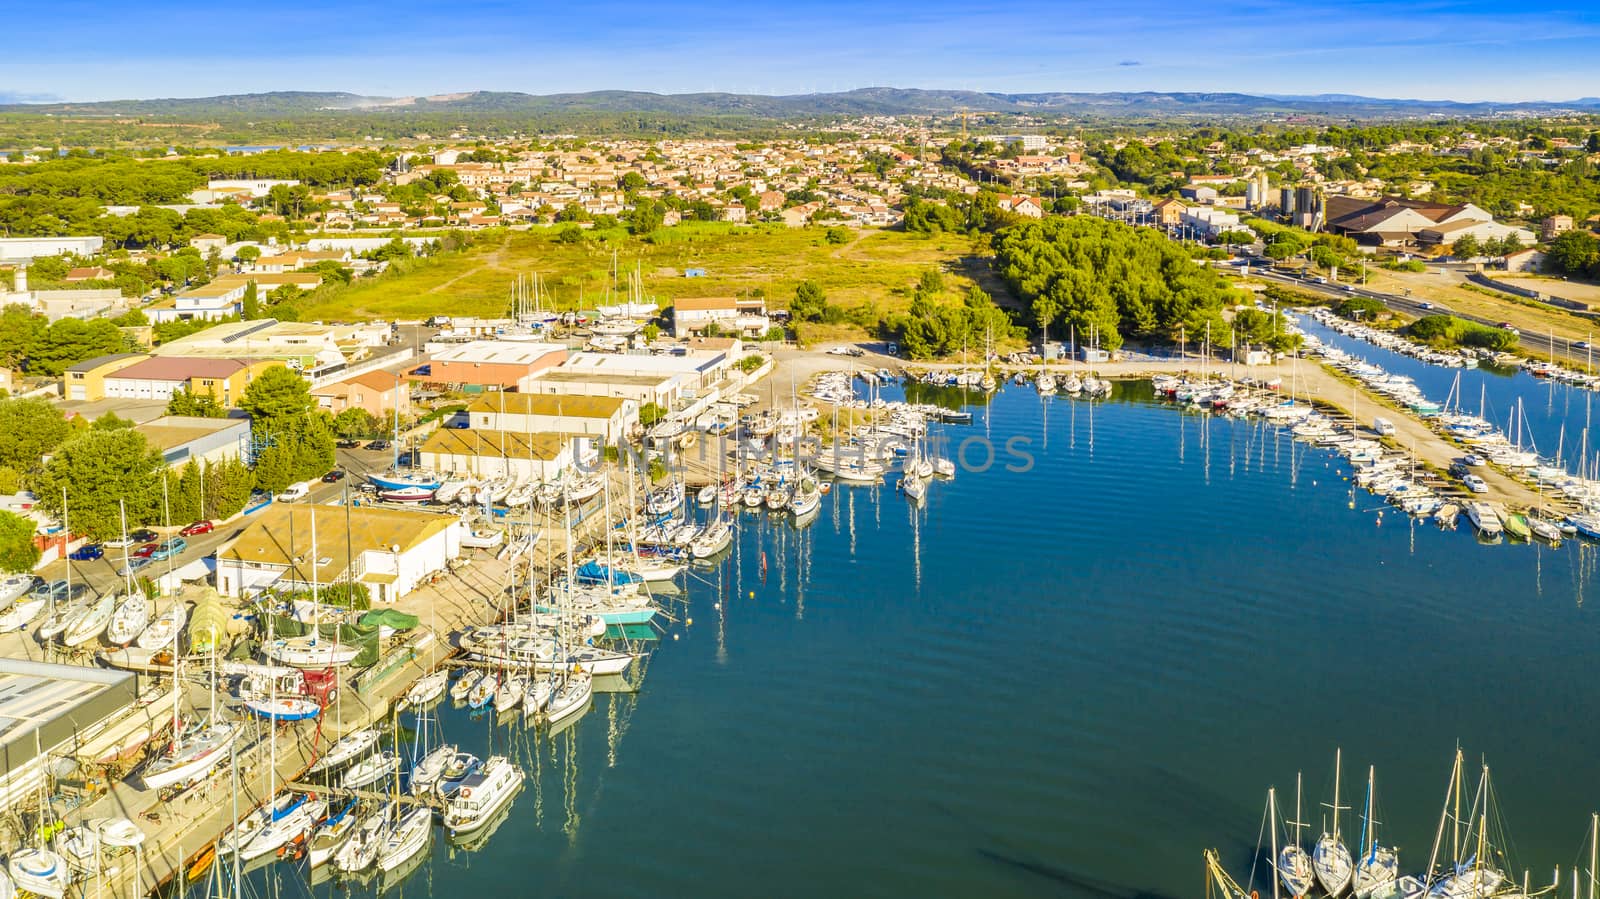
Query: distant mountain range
x=865, y=101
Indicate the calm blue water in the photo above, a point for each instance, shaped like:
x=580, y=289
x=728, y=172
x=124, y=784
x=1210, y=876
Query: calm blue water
x=1065, y=681
x=1554, y=415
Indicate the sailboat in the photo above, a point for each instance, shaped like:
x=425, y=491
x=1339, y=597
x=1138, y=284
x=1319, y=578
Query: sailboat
x=194, y=752
x=1330, y=859
x=129, y=620
x=90, y=622
x=1294, y=863
x=162, y=633
x=347, y=748
x=1379, y=865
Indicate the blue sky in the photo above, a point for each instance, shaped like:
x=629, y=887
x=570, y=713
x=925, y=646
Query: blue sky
x=1451, y=49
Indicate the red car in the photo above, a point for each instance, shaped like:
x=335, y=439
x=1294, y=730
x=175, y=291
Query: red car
x=144, y=551
x=199, y=527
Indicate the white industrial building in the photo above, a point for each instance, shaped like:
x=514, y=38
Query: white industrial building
x=391, y=551
x=22, y=249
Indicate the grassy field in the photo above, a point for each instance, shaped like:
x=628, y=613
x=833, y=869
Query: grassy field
x=1527, y=315
x=873, y=271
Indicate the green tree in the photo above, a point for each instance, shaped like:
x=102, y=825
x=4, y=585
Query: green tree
x=185, y=493
x=299, y=435
x=1465, y=247
x=249, y=253
x=17, y=550
x=645, y=216
x=355, y=422
x=203, y=405
x=99, y=468
x=650, y=413
x=277, y=395
x=29, y=430
x=228, y=487
x=110, y=421
x=837, y=235
x=70, y=341
x=250, y=306
x=652, y=332
x=1574, y=253
x=809, y=303
x=20, y=331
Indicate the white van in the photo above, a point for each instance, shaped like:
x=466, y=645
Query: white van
x=295, y=492
x=1383, y=426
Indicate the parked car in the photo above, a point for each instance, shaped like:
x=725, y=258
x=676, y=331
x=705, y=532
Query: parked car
x=1425, y=305
x=133, y=566
x=1475, y=484
x=295, y=492
x=145, y=551
x=379, y=444
x=333, y=477
x=1507, y=326
x=119, y=542
x=56, y=589
x=198, y=528
x=1581, y=345
x=169, y=548
x=144, y=535
x=348, y=444
x=87, y=552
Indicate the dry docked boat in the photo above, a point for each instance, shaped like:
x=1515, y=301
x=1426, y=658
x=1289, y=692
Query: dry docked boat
x=162, y=633
x=129, y=620
x=90, y=622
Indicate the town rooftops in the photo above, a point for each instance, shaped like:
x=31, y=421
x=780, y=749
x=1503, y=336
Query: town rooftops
x=498, y=352
x=707, y=304
x=89, y=365
x=179, y=368
x=280, y=536
x=542, y=447
x=172, y=431
x=547, y=404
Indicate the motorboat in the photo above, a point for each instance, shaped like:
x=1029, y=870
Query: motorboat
x=192, y=755
x=348, y=747
x=1485, y=519
x=163, y=631
x=457, y=768
x=370, y=770
x=482, y=539
x=707, y=495
x=482, y=795
x=91, y=622
x=117, y=833
x=482, y=692
x=464, y=685
x=592, y=659
x=129, y=620
x=406, y=495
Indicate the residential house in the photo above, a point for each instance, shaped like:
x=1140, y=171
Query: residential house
x=379, y=392
x=89, y=273
x=1168, y=212
x=1554, y=226
x=735, y=315
x=208, y=243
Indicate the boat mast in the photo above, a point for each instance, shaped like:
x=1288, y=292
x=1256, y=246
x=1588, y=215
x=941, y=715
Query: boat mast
x=1366, y=819
x=1272, y=825
x=1451, y=789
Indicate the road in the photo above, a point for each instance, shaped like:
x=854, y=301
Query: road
x=1554, y=347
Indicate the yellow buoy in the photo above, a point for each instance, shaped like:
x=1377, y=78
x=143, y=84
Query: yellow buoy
x=752, y=594
x=688, y=622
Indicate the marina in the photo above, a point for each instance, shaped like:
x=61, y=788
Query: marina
x=909, y=584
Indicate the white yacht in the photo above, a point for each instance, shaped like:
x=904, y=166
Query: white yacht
x=405, y=838
x=427, y=688
x=291, y=824
x=191, y=756
x=39, y=871
x=91, y=622
x=570, y=699
x=482, y=795
x=162, y=633
x=1485, y=519
x=370, y=770
x=361, y=849
x=311, y=652
x=332, y=834
x=347, y=748
x=129, y=620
